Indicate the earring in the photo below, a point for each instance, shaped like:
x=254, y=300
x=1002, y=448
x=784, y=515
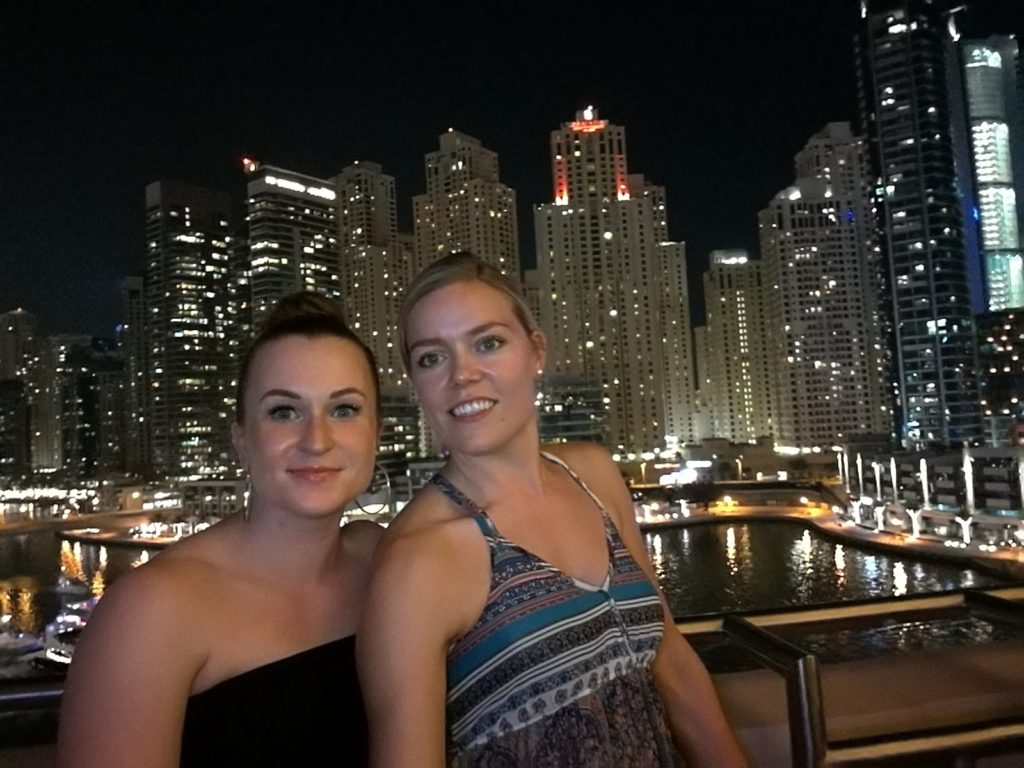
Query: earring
x=374, y=488
x=246, y=496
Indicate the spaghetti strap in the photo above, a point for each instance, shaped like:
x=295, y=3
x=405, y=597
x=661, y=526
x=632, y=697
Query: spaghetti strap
x=460, y=499
x=579, y=481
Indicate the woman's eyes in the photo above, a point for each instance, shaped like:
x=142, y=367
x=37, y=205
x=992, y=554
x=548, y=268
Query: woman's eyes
x=345, y=410
x=490, y=343
x=485, y=344
x=428, y=359
x=283, y=413
x=291, y=413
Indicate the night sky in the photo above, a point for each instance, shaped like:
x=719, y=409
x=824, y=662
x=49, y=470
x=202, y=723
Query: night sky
x=97, y=99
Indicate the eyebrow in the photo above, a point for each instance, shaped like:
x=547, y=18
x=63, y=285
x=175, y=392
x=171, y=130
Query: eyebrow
x=287, y=393
x=433, y=341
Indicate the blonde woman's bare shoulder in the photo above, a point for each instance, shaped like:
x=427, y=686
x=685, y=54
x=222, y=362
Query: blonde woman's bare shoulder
x=427, y=508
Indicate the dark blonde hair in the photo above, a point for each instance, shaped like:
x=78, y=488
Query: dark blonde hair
x=459, y=267
x=302, y=313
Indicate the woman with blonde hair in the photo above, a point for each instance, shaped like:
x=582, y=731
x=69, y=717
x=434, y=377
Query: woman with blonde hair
x=514, y=618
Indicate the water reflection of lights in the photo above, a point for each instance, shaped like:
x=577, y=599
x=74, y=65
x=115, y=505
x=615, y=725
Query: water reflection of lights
x=730, y=550
x=802, y=550
x=657, y=558
x=899, y=579
x=840, y=559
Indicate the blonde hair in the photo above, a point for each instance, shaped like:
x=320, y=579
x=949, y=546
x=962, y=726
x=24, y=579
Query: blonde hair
x=459, y=267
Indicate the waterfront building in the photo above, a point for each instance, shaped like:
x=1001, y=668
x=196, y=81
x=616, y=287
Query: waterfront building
x=131, y=341
x=189, y=367
x=91, y=389
x=466, y=207
x=972, y=494
x=902, y=53
x=737, y=387
x=703, y=406
x=401, y=437
x=993, y=122
x=612, y=286
x=1001, y=366
x=212, y=498
x=18, y=354
x=817, y=246
x=292, y=233
x=50, y=362
x=376, y=262
x=571, y=408
x=17, y=331
x=532, y=292
x=15, y=461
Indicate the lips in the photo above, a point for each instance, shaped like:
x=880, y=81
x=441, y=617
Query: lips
x=472, y=407
x=314, y=474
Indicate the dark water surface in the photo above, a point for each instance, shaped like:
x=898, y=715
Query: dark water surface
x=705, y=569
x=723, y=567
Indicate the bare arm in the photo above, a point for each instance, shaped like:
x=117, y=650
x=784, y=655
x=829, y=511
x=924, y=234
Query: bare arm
x=417, y=603
x=698, y=724
x=132, y=670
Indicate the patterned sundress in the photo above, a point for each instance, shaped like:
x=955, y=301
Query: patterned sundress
x=557, y=672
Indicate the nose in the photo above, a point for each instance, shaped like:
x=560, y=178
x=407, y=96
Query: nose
x=464, y=369
x=317, y=436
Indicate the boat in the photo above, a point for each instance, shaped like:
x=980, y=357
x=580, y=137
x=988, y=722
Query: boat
x=14, y=643
x=63, y=632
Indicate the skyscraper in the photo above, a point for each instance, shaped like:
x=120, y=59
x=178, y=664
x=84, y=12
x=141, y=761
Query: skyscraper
x=189, y=367
x=610, y=313
x=737, y=389
x=17, y=331
x=817, y=247
x=466, y=207
x=1001, y=358
x=131, y=339
x=376, y=262
x=990, y=84
x=904, y=104
x=376, y=265
x=292, y=232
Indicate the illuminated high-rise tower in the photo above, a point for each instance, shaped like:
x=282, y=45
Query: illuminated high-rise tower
x=189, y=366
x=817, y=250
x=131, y=339
x=292, y=236
x=613, y=288
x=466, y=207
x=903, y=52
x=737, y=373
x=17, y=330
x=990, y=85
x=376, y=262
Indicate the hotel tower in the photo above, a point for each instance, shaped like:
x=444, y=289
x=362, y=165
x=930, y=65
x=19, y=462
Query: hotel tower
x=612, y=288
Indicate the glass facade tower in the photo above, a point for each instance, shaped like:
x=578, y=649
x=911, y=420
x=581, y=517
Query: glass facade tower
x=925, y=292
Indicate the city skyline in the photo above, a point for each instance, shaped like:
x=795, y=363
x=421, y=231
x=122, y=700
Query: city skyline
x=113, y=101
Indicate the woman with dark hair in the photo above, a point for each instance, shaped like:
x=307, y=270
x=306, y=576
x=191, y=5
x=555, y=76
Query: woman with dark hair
x=514, y=617
x=235, y=646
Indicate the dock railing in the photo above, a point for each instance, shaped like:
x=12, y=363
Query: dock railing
x=808, y=719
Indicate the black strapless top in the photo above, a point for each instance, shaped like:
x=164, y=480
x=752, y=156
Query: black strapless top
x=294, y=711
